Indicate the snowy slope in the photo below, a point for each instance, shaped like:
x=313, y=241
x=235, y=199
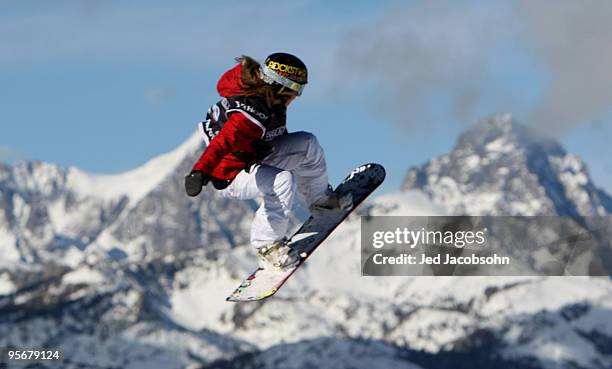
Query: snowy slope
x=524, y=317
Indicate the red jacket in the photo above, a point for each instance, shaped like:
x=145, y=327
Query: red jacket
x=237, y=135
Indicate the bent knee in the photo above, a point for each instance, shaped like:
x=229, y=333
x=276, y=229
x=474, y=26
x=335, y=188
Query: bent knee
x=307, y=136
x=312, y=143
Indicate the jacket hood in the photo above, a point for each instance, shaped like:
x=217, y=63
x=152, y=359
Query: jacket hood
x=229, y=83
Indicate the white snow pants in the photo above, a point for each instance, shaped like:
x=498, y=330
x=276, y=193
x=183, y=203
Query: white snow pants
x=297, y=165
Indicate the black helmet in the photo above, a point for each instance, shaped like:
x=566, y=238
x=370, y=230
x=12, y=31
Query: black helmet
x=286, y=70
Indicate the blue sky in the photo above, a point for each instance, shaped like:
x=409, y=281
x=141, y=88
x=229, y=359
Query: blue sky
x=105, y=86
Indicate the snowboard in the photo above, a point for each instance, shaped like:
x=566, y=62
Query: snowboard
x=355, y=188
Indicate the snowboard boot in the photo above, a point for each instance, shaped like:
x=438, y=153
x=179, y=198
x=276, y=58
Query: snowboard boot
x=277, y=255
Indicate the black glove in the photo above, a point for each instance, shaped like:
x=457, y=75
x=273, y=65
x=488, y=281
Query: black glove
x=262, y=149
x=194, y=182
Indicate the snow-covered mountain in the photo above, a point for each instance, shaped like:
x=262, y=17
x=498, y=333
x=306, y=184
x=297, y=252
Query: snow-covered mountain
x=127, y=272
x=51, y=215
x=500, y=167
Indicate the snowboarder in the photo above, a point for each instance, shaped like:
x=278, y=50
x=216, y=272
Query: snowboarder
x=250, y=154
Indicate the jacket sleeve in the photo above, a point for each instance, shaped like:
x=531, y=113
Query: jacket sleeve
x=237, y=134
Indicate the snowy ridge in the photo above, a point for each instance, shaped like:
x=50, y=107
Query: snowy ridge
x=136, y=183
x=50, y=213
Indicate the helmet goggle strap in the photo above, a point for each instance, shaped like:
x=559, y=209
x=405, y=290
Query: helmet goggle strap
x=269, y=76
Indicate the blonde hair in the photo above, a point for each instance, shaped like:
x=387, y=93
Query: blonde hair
x=251, y=82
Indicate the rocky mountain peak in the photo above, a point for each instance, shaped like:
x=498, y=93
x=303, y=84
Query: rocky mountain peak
x=502, y=167
x=502, y=133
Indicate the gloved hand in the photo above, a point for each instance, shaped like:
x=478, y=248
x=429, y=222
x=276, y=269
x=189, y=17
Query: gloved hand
x=194, y=182
x=262, y=149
